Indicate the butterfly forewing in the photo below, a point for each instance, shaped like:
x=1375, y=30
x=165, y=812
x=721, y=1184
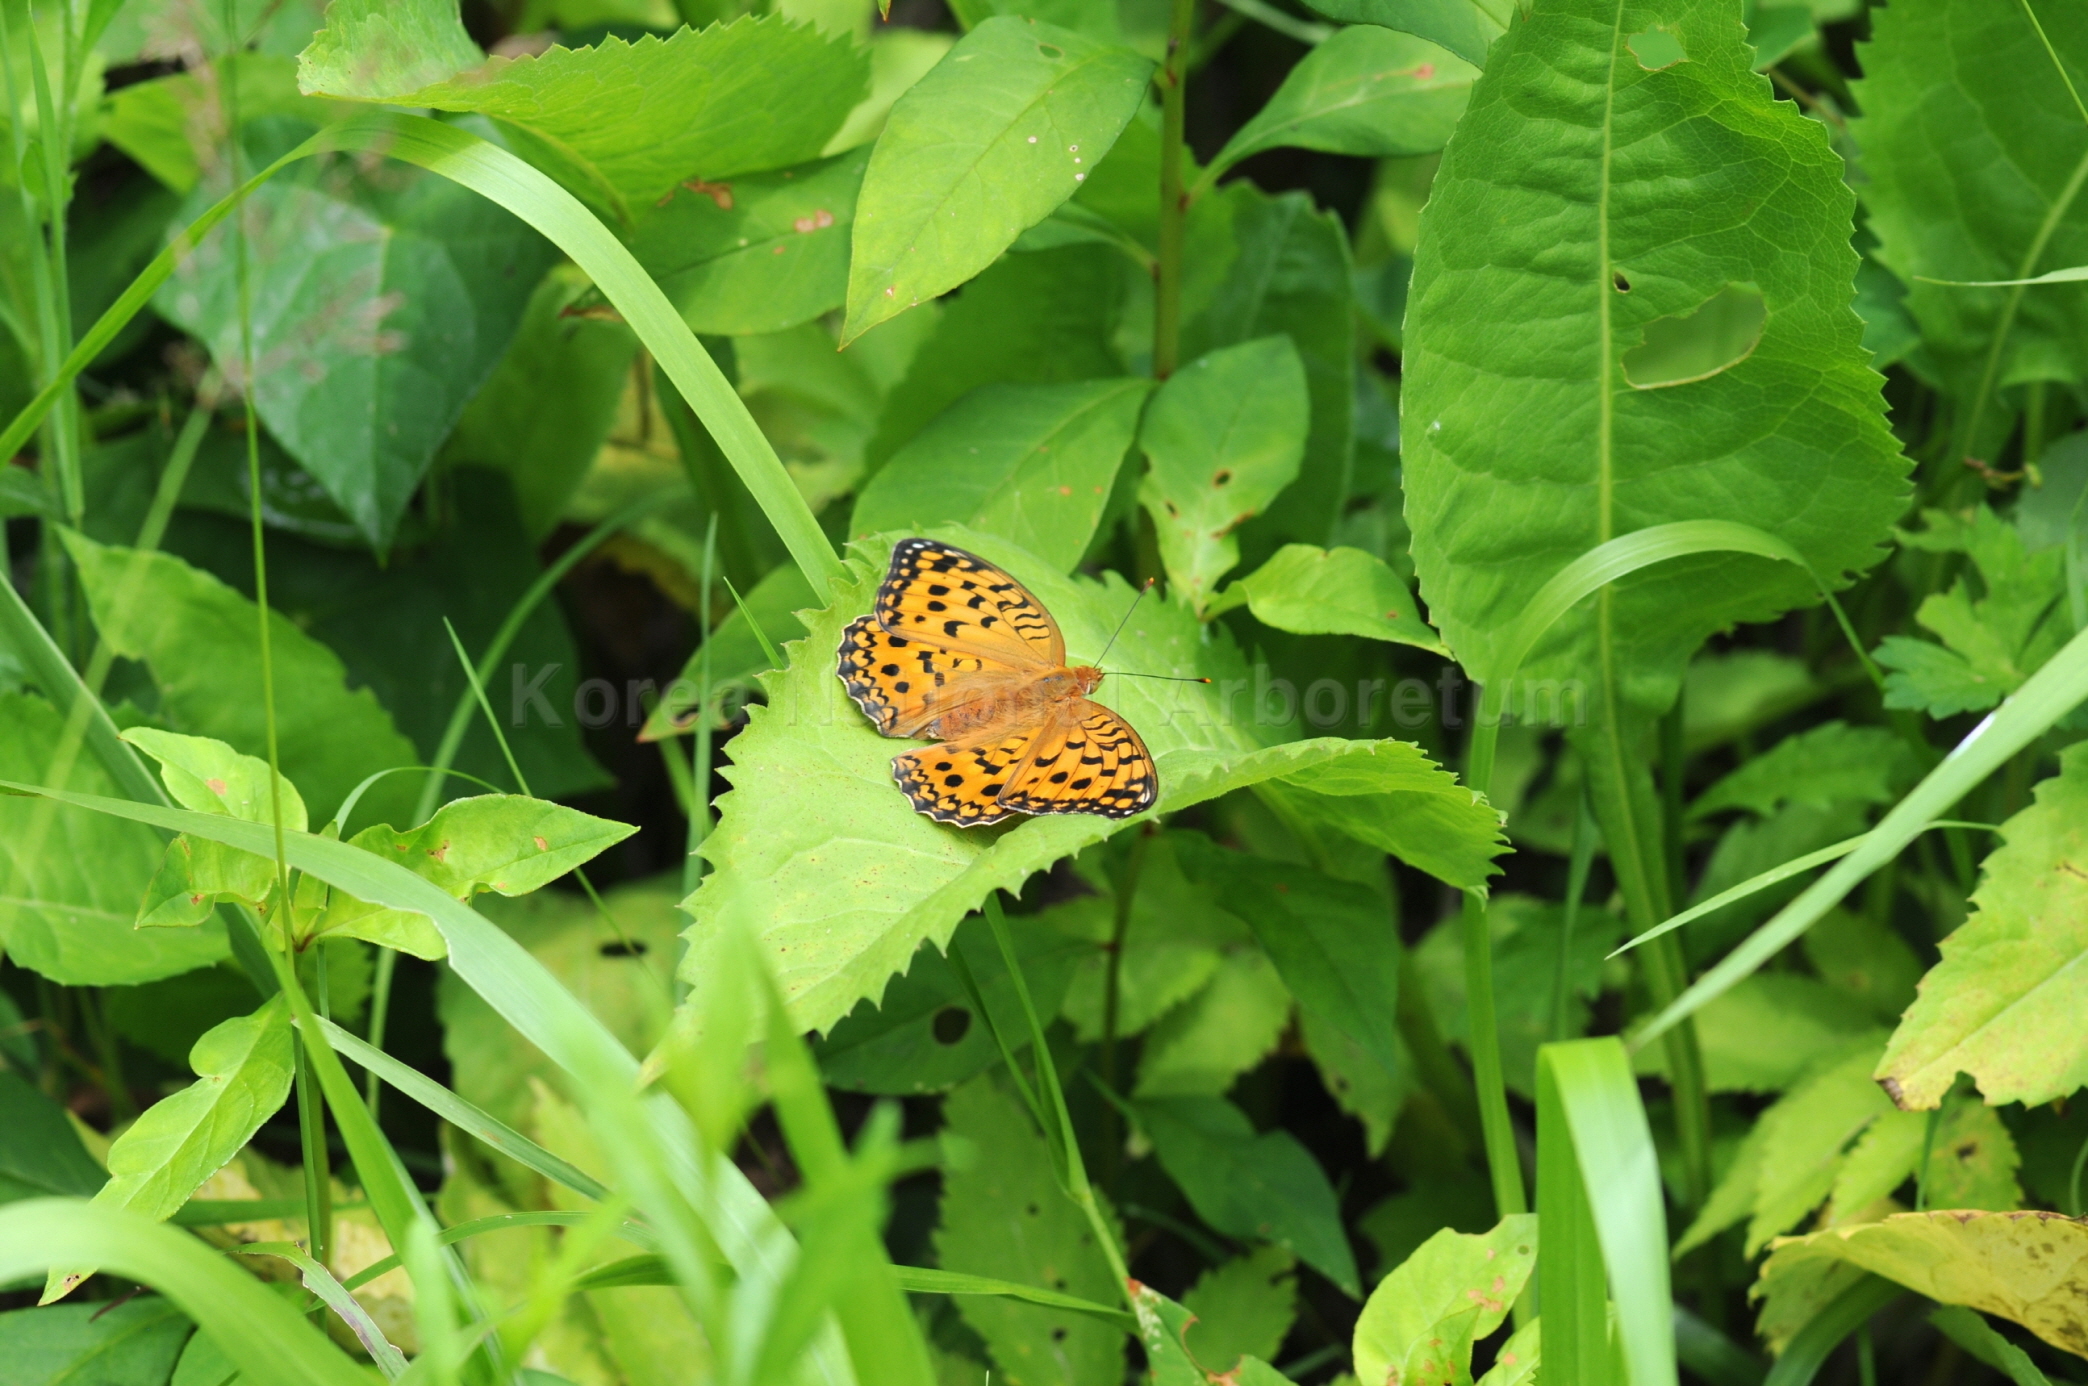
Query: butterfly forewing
x=904, y=685
x=945, y=596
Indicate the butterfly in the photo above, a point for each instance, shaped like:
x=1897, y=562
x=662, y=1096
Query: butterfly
x=956, y=649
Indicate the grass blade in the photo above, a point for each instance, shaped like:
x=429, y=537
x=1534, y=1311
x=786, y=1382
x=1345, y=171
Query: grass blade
x=1810, y=1346
x=2051, y=693
x=320, y=1281
x=254, y=1326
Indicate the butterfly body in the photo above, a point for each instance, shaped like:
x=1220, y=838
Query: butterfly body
x=957, y=650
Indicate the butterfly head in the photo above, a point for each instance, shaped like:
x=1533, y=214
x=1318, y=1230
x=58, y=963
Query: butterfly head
x=1086, y=678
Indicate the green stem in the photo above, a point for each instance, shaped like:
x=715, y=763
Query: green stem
x=1674, y=759
x=55, y=305
x=380, y=1009
x=1174, y=197
x=1503, y=1164
x=1579, y=864
x=1112, y=992
x=706, y=731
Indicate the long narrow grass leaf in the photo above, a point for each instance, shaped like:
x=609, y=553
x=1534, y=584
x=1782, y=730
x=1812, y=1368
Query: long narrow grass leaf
x=320, y=1281
x=922, y=1280
x=2050, y=693
x=1811, y=1345
x=501, y=1222
x=255, y=1327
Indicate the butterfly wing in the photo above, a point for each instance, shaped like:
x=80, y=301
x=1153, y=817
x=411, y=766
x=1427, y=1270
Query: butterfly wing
x=941, y=595
x=960, y=781
x=904, y=685
x=1086, y=760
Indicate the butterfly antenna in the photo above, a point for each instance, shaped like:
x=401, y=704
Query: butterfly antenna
x=1125, y=622
x=1169, y=678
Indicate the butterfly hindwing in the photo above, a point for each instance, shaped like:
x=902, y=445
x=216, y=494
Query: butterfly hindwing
x=961, y=781
x=902, y=685
x=1087, y=760
x=943, y=595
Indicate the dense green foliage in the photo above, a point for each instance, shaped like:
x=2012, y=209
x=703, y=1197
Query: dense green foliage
x=1584, y=501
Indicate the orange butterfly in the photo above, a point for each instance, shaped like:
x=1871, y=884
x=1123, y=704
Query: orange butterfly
x=958, y=650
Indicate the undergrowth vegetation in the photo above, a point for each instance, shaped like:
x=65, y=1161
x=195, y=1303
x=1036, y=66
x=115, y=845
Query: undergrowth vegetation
x=1582, y=506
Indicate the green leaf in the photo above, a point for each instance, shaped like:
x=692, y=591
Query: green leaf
x=638, y=118
x=1313, y=591
x=1500, y=325
x=1525, y=934
x=1991, y=202
x=736, y=651
x=1419, y=1324
x=1244, y=1307
x=1517, y=1361
x=1828, y=764
x=1465, y=27
x=1003, y=1216
x=2013, y=970
x=1366, y=91
x=243, y=1071
x=1333, y=941
x=1262, y=1186
x=1034, y=464
x=1256, y=265
x=1993, y=642
x=200, y=639
x=378, y=309
x=924, y=1037
x=2029, y=1268
x=1224, y=435
x=986, y=145
x=124, y=1343
x=160, y=122
x=40, y=1152
x=546, y=410
x=1199, y=1048
x=757, y=253
x=1030, y=319
x=210, y=777
x=837, y=876
x=1768, y=1032
x=376, y=49
x=72, y=883
x=1977, y=1337
x=1866, y=959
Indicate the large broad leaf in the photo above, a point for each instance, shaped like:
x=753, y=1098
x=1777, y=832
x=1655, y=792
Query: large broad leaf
x=1313, y=591
x=633, y=119
x=1264, y=1185
x=985, y=146
x=1222, y=438
x=1036, y=463
x=70, y=883
x=1365, y=91
x=1973, y=151
x=1421, y=1321
x=201, y=641
x=128, y=1342
x=1256, y=265
x=243, y=1071
x=40, y=1153
x=755, y=254
x=1674, y=224
x=1003, y=1216
x=379, y=306
x=823, y=859
x=2031, y=1268
x=1465, y=27
x=2015, y=974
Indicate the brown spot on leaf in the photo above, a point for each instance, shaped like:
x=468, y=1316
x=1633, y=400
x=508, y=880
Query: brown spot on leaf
x=720, y=193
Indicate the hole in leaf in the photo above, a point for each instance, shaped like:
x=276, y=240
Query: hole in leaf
x=1051, y=51
x=1719, y=335
x=1656, y=49
x=951, y=1024
x=620, y=949
x=1623, y=284
x=1221, y=476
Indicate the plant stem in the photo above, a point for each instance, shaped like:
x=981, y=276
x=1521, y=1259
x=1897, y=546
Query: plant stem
x=1174, y=198
x=1503, y=1164
x=700, y=778
x=1112, y=994
x=1578, y=866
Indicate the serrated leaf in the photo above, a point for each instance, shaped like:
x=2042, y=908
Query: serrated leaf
x=201, y=641
x=243, y=1070
x=1034, y=463
x=1768, y=1032
x=73, y=881
x=2029, y=1268
x=1004, y=1216
x=1308, y=590
x=1828, y=764
x=1244, y=1307
x=376, y=49
x=1972, y=206
x=1547, y=253
x=1421, y=1321
x=2016, y=973
x=1465, y=27
x=758, y=253
x=1224, y=435
x=1201, y=1046
x=1265, y=1186
x=710, y=104
x=828, y=865
x=1365, y=91
x=985, y=146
